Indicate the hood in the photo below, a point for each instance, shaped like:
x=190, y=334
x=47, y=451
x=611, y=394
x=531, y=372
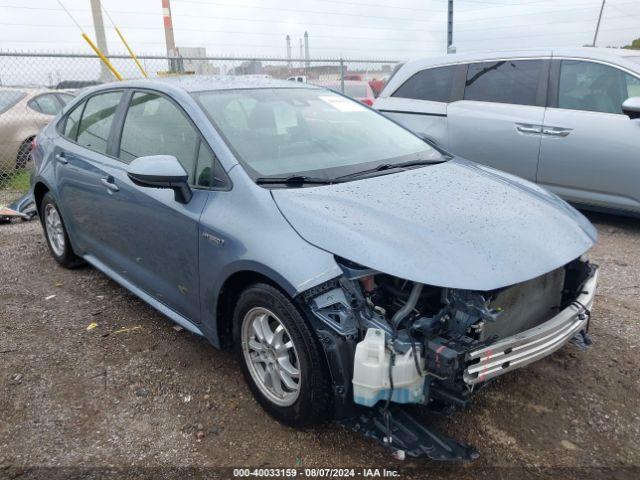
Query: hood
x=455, y=224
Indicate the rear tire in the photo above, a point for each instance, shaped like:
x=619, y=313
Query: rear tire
x=281, y=358
x=24, y=154
x=56, y=234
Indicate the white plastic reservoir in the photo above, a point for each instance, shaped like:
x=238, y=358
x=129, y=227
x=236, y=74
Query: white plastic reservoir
x=371, y=373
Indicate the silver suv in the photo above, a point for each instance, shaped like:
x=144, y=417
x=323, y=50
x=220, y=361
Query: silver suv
x=567, y=119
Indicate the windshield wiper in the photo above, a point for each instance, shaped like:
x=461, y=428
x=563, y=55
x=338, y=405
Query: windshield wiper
x=390, y=166
x=293, y=180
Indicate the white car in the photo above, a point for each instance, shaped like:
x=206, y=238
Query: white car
x=567, y=119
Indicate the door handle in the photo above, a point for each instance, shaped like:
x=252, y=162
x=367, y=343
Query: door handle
x=61, y=158
x=524, y=128
x=556, y=132
x=108, y=182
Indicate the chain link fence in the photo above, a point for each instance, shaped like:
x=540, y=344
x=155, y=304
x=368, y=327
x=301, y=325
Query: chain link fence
x=35, y=86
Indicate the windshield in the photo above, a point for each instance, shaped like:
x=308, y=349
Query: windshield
x=280, y=132
x=8, y=98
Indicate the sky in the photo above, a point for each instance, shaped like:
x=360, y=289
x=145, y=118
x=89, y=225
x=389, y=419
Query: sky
x=367, y=29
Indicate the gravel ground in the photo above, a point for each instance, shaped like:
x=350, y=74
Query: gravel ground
x=135, y=393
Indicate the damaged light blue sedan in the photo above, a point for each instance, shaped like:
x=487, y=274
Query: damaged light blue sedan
x=354, y=267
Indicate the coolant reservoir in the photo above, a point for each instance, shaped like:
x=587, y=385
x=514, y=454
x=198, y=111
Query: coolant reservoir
x=371, y=373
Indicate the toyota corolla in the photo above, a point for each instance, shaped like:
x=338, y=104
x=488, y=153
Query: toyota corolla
x=354, y=267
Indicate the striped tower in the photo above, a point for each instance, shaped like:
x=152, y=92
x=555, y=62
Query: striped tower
x=168, y=31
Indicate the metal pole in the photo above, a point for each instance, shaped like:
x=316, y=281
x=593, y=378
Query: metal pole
x=341, y=75
x=449, y=25
x=595, y=36
x=105, y=61
x=101, y=38
x=289, y=53
x=306, y=49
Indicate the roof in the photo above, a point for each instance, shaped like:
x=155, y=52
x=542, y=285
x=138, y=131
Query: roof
x=198, y=83
x=582, y=52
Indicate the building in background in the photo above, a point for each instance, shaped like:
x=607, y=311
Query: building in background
x=189, y=61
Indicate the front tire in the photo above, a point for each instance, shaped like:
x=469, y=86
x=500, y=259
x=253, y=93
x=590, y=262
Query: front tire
x=56, y=234
x=281, y=358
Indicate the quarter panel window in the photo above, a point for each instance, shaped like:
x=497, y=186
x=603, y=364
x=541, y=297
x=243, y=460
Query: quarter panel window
x=594, y=87
x=433, y=84
x=209, y=172
x=72, y=122
x=155, y=126
x=509, y=81
x=95, y=125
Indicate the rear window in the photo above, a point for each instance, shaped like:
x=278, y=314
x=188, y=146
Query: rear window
x=8, y=98
x=510, y=81
x=433, y=84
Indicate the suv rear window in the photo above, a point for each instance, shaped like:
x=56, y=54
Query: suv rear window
x=506, y=81
x=8, y=98
x=433, y=84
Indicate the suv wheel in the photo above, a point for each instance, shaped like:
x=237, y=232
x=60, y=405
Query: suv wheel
x=280, y=357
x=56, y=234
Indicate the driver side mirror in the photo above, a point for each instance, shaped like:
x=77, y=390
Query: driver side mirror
x=631, y=107
x=161, y=171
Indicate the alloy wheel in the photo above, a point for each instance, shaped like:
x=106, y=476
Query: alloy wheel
x=271, y=356
x=55, y=230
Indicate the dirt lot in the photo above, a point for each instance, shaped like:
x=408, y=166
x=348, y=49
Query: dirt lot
x=134, y=392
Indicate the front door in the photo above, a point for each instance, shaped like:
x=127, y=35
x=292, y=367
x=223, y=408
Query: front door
x=155, y=238
x=499, y=121
x=590, y=151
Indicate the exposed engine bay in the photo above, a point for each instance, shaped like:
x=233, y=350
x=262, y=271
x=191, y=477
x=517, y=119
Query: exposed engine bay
x=393, y=341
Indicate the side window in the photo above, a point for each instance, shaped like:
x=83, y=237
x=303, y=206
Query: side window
x=95, y=125
x=72, y=122
x=433, y=84
x=594, y=87
x=155, y=126
x=510, y=81
x=47, y=104
x=209, y=172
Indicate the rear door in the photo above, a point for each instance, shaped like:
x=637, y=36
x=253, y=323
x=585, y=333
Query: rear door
x=590, y=149
x=420, y=103
x=499, y=120
x=83, y=157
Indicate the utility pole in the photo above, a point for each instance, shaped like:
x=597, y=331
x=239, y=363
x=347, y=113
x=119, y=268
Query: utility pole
x=306, y=49
x=301, y=52
x=595, y=36
x=168, y=35
x=289, y=53
x=450, y=47
x=101, y=38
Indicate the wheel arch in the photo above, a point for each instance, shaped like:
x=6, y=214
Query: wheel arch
x=231, y=289
x=39, y=191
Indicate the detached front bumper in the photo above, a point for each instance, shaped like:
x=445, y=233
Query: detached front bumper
x=526, y=347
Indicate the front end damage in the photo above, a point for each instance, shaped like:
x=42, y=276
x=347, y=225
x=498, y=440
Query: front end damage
x=390, y=342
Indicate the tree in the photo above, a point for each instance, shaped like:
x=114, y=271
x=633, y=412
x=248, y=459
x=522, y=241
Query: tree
x=635, y=45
